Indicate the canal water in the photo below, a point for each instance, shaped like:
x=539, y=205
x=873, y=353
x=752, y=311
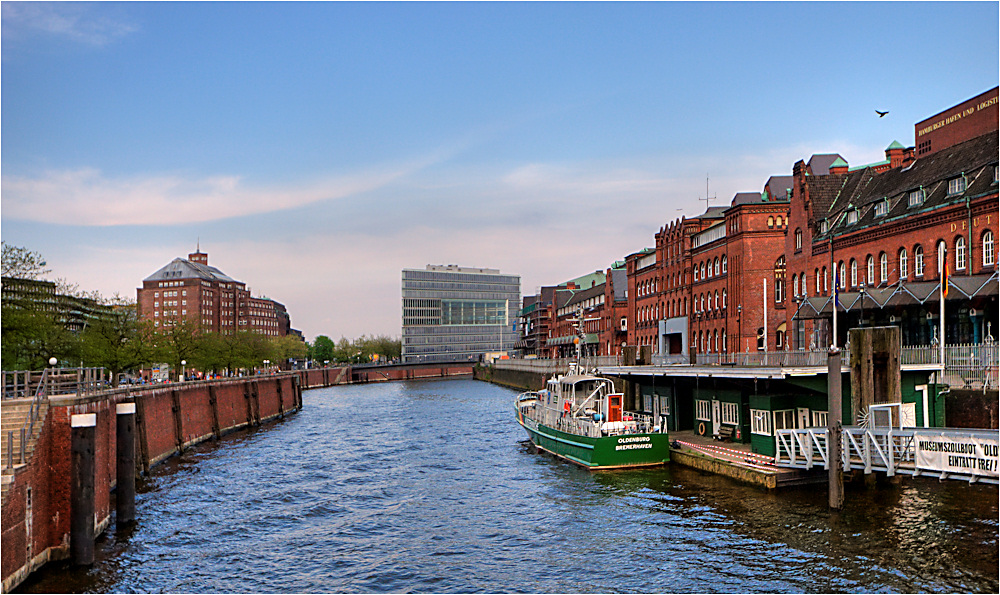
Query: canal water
x=429, y=487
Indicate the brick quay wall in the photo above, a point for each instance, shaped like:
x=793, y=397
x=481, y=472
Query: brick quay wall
x=169, y=418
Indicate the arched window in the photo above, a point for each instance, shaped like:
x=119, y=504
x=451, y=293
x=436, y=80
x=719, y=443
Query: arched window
x=779, y=279
x=903, y=264
x=718, y=304
x=695, y=272
x=883, y=268
x=777, y=221
x=715, y=338
x=854, y=273
x=770, y=221
x=725, y=344
x=819, y=282
x=723, y=299
x=703, y=302
x=918, y=260
x=798, y=239
x=988, y=257
x=703, y=271
x=870, y=270
x=942, y=257
x=826, y=281
x=724, y=260
x=716, y=264
x=805, y=292
x=795, y=285
x=960, y=253
x=842, y=277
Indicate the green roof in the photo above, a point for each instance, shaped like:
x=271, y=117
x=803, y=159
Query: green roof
x=895, y=145
x=876, y=164
x=838, y=163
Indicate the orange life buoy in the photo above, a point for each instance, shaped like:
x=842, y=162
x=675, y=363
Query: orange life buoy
x=701, y=428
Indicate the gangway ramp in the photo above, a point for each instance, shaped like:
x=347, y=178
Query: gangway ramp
x=946, y=453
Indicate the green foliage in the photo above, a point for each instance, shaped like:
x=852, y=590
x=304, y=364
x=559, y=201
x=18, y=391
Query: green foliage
x=32, y=336
x=120, y=341
x=22, y=263
x=323, y=349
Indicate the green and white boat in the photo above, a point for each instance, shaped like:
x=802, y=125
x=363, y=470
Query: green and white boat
x=579, y=417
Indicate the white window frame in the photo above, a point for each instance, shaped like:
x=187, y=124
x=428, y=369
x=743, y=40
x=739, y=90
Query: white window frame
x=870, y=270
x=918, y=261
x=854, y=273
x=960, y=254
x=785, y=416
x=883, y=270
x=881, y=208
x=760, y=422
x=956, y=185
x=852, y=216
x=821, y=419
x=730, y=413
x=916, y=197
x=903, y=262
x=988, y=255
x=703, y=410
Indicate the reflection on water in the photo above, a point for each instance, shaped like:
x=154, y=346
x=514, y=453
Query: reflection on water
x=429, y=487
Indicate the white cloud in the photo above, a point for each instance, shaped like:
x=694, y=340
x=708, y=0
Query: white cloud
x=63, y=19
x=88, y=197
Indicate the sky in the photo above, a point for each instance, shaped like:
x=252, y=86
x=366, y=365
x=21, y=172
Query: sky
x=315, y=150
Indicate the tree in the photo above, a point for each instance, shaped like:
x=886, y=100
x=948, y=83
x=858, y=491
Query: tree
x=118, y=341
x=21, y=263
x=323, y=349
x=178, y=342
x=32, y=336
x=289, y=347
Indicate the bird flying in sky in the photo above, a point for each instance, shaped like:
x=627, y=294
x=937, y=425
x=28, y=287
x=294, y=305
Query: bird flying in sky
x=881, y=114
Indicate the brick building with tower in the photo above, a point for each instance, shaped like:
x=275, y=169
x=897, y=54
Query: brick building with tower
x=191, y=290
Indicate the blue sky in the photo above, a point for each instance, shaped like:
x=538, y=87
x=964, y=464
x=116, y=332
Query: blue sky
x=317, y=149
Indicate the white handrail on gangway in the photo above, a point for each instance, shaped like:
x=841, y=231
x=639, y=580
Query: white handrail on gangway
x=883, y=449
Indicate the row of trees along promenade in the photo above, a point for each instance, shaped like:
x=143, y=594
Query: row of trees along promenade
x=42, y=319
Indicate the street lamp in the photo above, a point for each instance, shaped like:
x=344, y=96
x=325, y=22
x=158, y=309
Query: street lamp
x=53, y=361
x=183, y=363
x=267, y=362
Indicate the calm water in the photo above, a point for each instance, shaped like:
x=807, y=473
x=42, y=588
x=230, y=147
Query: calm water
x=429, y=487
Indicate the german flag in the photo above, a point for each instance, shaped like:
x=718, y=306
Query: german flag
x=944, y=281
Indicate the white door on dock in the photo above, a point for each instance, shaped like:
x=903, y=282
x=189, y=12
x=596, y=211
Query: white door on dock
x=716, y=417
x=804, y=421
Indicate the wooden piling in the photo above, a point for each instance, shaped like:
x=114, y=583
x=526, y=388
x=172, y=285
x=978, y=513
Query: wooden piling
x=125, y=464
x=835, y=415
x=83, y=443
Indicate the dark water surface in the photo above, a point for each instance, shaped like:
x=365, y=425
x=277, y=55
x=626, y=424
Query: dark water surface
x=429, y=487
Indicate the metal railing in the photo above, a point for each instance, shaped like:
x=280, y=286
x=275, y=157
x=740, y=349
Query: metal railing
x=39, y=386
x=555, y=366
x=884, y=449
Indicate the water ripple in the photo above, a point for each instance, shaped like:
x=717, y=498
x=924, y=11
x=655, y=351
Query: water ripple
x=359, y=492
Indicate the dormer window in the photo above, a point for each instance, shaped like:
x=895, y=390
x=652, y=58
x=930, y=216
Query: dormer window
x=956, y=185
x=824, y=226
x=852, y=216
x=882, y=208
x=916, y=197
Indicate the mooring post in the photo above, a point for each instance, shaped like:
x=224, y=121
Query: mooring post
x=833, y=430
x=125, y=468
x=81, y=542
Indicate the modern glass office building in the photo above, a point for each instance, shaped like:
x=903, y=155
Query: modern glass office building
x=453, y=313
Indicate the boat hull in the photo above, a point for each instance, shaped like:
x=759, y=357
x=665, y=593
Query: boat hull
x=606, y=452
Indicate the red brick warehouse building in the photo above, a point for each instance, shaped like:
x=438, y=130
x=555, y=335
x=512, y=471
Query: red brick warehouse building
x=189, y=289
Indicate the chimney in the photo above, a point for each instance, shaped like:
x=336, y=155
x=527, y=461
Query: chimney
x=895, y=155
x=199, y=257
x=838, y=167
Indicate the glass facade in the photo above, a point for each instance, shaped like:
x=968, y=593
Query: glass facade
x=457, y=314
